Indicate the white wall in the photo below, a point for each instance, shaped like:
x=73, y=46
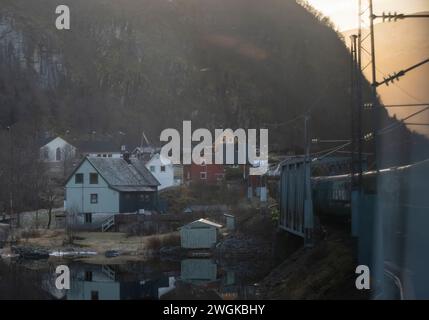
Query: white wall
x=198, y=238
x=166, y=178
x=114, y=155
x=78, y=196
x=48, y=152
x=106, y=290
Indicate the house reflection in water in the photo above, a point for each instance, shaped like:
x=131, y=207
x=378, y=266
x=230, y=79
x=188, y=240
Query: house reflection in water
x=221, y=280
x=102, y=282
x=198, y=271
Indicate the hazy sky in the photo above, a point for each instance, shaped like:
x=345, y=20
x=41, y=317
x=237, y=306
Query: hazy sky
x=344, y=12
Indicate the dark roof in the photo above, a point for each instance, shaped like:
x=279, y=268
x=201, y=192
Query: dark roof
x=41, y=142
x=122, y=176
x=97, y=146
x=141, y=167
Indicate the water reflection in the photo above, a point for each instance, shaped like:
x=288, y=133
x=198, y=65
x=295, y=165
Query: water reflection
x=118, y=282
x=186, y=279
x=198, y=271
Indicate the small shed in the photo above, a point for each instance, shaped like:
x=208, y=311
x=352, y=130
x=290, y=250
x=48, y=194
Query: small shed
x=199, y=234
x=198, y=270
x=230, y=221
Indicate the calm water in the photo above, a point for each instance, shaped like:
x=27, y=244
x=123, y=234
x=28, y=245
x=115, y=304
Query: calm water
x=156, y=279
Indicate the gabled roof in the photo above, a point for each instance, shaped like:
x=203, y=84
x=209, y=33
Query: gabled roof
x=97, y=146
x=157, y=156
x=207, y=208
x=42, y=142
x=206, y=222
x=141, y=167
x=121, y=175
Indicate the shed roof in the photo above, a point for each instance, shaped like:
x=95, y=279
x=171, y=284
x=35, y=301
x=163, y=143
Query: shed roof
x=206, y=222
x=207, y=208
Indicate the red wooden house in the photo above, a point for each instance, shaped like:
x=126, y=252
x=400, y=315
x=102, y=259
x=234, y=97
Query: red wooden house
x=204, y=174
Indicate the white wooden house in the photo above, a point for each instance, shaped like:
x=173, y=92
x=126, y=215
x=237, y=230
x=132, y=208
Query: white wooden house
x=165, y=172
x=55, y=150
x=101, y=187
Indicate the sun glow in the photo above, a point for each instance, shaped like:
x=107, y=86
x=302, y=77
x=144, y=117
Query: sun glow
x=344, y=12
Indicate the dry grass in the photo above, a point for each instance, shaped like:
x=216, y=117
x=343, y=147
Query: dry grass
x=156, y=242
x=131, y=248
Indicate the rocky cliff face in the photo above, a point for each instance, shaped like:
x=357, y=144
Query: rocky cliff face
x=20, y=52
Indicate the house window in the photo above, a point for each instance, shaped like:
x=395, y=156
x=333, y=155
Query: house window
x=94, y=295
x=110, y=155
x=94, y=198
x=88, y=217
x=145, y=197
x=203, y=175
x=93, y=178
x=88, y=276
x=58, y=154
x=78, y=178
x=162, y=168
x=152, y=168
x=104, y=155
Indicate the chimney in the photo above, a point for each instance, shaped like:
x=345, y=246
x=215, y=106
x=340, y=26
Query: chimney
x=126, y=157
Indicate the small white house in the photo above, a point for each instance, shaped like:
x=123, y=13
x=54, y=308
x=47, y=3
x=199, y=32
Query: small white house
x=164, y=171
x=200, y=234
x=56, y=150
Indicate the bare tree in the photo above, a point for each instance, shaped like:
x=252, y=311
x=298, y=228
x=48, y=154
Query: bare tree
x=68, y=157
x=48, y=196
x=70, y=224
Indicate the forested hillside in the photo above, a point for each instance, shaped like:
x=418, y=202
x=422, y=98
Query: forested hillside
x=135, y=65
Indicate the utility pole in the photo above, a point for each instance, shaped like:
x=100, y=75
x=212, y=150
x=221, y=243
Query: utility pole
x=377, y=260
x=11, y=185
x=356, y=132
x=376, y=117
x=308, y=202
x=371, y=51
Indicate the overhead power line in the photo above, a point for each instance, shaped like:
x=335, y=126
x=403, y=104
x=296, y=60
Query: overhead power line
x=398, y=16
x=396, y=125
x=395, y=77
x=416, y=124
